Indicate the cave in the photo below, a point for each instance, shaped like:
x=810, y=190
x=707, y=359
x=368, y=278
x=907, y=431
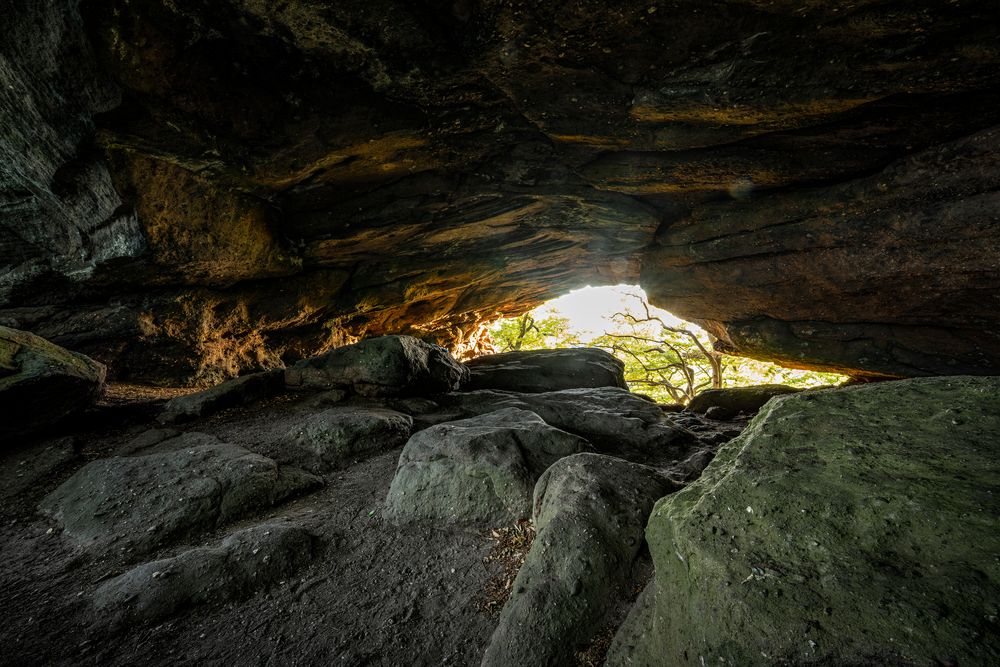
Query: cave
x=250, y=257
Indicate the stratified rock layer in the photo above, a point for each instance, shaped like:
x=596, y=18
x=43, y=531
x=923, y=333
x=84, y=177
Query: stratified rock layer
x=847, y=526
x=192, y=190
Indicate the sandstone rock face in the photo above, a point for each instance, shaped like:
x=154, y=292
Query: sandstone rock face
x=41, y=383
x=546, y=370
x=142, y=502
x=385, y=366
x=842, y=278
x=244, y=562
x=192, y=190
x=479, y=469
x=734, y=400
x=589, y=511
x=845, y=526
x=329, y=439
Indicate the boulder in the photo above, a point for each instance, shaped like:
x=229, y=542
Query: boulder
x=481, y=469
x=41, y=383
x=848, y=526
x=384, y=366
x=611, y=418
x=590, y=512
x=142, y=502
x=244, y=562
x=727, y=403
x=238, y=391
x=546, y=370
x=331, y=438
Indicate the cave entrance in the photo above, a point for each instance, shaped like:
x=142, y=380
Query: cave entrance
x=665, y=357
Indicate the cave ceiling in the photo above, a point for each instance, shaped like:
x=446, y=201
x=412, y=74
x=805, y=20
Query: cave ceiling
x=192, y=189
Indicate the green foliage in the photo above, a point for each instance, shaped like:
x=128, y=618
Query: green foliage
x=532, y=332
x=666, y=359
x=667, y=363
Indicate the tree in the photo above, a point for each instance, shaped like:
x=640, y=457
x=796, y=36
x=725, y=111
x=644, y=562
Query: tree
x=664, y=361
x=530, y=332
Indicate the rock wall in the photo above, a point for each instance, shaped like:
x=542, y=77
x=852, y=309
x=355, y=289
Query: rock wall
x=191, y=190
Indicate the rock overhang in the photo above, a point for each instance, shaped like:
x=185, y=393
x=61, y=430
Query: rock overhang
x=242, y=185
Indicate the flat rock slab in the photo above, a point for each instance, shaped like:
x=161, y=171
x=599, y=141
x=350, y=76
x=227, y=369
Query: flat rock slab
x=846, y=526
x=384, y=366
x=142, y=502
x=332, y=438
x=590, y=511
x=238, y=391
x=609, y=417
x=480, y=469
x=41, y=383
x=729, y=402
x=245, y=562
x=546, y=370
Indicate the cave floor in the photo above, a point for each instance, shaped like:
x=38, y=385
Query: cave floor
x=375, y=594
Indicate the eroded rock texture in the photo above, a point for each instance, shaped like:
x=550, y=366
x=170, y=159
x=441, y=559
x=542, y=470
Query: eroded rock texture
x=837, y=529
x=189, y=190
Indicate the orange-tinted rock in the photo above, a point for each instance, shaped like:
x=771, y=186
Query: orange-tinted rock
x=192, y=190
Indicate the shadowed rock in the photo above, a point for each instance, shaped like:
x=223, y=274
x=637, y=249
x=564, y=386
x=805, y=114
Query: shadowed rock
x=727, y=403
x=331, y=438
x=245, y=562
x=847, y=526
x=479, y=469
x=238, y=391
x=23, y=470
x=385, y=366
x=41, y=383
x=546, y=370
x=142, y=502
x=590, y=512
x=612, y=419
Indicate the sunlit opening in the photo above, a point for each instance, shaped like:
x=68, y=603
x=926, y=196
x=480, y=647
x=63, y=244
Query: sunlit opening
x=665, y=357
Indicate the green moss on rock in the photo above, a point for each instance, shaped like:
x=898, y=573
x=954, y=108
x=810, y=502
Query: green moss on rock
x=848, y=526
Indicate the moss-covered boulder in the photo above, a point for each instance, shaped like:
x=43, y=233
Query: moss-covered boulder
x=41, y=383
x=589, y=512
x=847, y=526
x=479, y=469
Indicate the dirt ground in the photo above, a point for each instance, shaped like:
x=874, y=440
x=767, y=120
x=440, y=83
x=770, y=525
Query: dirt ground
x=376, y=593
